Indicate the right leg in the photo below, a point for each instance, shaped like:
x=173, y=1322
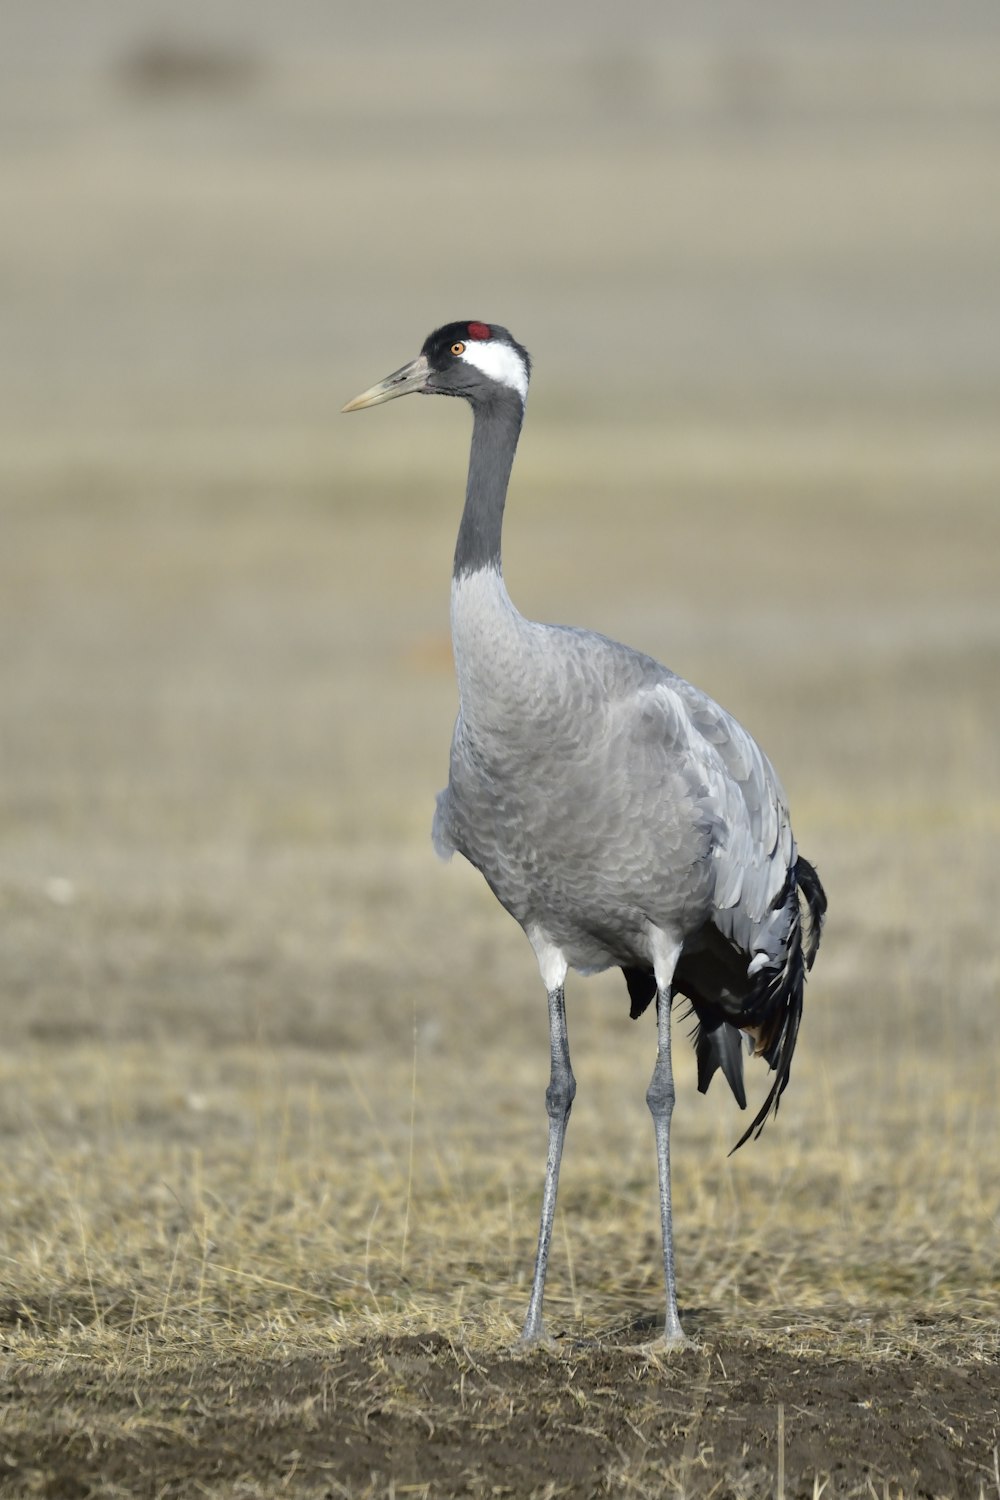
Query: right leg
x=660, y=1099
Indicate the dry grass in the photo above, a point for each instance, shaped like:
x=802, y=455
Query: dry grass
x=274, y=1077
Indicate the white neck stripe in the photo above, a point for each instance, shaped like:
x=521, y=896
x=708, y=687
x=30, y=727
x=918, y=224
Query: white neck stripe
x=500, y=362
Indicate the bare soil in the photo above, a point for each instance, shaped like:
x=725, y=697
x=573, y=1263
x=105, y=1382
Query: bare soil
x=419, y=1414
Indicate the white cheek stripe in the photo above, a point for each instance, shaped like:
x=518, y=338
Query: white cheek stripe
x=500, y=362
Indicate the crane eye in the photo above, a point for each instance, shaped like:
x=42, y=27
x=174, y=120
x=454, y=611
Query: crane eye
x=458, y=348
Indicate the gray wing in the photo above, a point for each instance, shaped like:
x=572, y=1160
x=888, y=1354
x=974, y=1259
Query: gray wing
x=743, y=805
x=751, y=972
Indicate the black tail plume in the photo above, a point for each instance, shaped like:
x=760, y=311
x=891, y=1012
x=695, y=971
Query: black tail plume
x=774, y=1008
x=641, y=990
x=811, y=887
x=719, y=1045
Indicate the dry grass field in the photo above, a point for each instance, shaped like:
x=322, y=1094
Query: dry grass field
x=272, y=1077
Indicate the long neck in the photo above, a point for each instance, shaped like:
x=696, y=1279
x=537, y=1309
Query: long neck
x=495, y=432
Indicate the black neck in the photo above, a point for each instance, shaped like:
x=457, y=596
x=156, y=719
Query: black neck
x=495, y=431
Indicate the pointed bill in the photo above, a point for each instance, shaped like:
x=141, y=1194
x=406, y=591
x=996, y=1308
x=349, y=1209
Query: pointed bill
x=412, y=377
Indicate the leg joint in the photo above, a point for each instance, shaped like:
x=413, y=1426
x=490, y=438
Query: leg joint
x=660, y=1096
x=560, y=1094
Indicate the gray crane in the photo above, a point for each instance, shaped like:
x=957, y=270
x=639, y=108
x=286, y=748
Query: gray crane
x=617, y=812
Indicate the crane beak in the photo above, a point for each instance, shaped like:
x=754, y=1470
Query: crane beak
x=412, y=377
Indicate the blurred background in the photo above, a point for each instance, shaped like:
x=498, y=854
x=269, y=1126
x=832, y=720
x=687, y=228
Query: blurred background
x=755, y=253
x=216, y=211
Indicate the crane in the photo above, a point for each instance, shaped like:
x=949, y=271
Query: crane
x=620, y=815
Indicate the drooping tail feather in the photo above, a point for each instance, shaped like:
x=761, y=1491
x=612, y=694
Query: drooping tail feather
x=716, y=1042
x=774, y=1007
x=719, y=1046
x=809, y=884
x=641, y=990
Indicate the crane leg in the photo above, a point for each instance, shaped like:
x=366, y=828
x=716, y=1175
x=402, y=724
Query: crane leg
x=660, y=1098
x=558, y=1102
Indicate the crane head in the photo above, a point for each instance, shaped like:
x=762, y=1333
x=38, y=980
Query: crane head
x=478, y=361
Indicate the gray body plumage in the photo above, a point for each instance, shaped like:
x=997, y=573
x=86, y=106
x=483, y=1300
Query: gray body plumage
x=603, y=797
x=618, y=813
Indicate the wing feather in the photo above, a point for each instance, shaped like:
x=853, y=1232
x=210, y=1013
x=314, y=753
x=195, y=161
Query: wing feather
x=740, y=799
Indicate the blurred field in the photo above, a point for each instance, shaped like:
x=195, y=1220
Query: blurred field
x=272, y=1082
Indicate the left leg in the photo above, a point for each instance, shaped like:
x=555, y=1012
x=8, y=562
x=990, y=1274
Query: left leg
x=558, y=1102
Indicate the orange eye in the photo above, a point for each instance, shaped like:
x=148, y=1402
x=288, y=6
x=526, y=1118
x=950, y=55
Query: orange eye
x=458, y=348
